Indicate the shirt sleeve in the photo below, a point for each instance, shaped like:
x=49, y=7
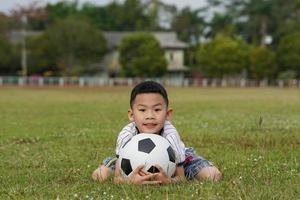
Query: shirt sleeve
x=171, y=134
x=126, y=134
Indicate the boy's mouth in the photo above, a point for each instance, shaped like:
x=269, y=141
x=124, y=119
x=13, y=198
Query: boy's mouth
x=150, y=125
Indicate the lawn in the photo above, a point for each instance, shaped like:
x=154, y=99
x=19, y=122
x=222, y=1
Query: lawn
x=51, y=139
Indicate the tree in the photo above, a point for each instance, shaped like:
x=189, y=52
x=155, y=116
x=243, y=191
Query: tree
x=262, y=63
x=226, y=15
x=223, y=56
x=4, y=24
x=72, y=44
x=221, y=23
x=5, y=54
x=116, y=16
x=288, y=52
x=109, y=18
x=142, y=56
x=188, y=25
x=61, y=10
x=256, y=20
x=42, y=56
x=35, y=13
x=8, y=57
x=286, y=15
x=132, y=16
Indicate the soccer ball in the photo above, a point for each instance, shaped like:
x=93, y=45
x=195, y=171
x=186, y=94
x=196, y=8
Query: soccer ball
x=149, y=150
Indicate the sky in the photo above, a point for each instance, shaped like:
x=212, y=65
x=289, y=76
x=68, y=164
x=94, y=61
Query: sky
x=7, y=5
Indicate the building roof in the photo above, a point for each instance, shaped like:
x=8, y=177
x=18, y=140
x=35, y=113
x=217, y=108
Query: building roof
x=113, y=39
x=166, y=39
x=17, y=36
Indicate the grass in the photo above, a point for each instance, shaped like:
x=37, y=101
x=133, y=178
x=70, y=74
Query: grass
x=51, y=140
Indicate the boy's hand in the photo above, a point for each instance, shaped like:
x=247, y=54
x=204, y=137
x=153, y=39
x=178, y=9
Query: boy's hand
x=140, y=176
x=162, y=176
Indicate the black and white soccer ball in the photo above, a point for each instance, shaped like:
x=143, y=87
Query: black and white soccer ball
x=148, y=150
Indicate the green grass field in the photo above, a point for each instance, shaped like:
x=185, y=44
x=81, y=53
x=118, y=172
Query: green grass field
x=52, y=139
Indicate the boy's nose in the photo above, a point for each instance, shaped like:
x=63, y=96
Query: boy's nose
x=150, y=115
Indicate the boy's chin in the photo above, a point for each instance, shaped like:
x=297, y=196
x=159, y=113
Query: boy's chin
x=150, y=131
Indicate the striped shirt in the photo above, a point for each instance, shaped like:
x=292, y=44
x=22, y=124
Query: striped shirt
x=169, y=132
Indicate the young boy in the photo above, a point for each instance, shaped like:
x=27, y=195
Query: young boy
x=150, y=113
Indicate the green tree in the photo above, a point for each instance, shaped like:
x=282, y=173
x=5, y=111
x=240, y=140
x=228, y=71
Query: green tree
x=256, y=20
x=4, y=24
x=61, y=10
x=188, y=25
x=36, y=16
x=132, y=16
x=42, y=56
x=72, y=44
x=262, y=63
x=286, y=16
x=142, y=56
x=5, y=54
x=8, y=57
x=288, y=53
x=223, y=56
x=104, y=18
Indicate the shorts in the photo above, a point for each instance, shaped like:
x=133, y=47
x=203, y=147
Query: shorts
x=192, y=164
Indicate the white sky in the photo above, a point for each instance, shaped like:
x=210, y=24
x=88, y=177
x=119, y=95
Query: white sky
x=6, y=5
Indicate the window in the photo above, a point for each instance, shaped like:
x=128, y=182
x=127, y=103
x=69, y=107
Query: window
x=171, y=56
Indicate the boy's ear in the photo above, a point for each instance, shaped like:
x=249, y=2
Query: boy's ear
x=169, y=113
x=130, y=115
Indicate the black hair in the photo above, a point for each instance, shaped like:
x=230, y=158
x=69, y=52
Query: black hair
x=148, y=87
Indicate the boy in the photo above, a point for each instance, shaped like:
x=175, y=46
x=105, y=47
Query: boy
x=150, y=113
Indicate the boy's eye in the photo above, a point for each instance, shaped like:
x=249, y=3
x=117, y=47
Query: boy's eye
x=142, y=110
x=157, y=109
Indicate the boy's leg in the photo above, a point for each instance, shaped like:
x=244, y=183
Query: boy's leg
x=104, y=171
x=209, y=173
x=198, y=168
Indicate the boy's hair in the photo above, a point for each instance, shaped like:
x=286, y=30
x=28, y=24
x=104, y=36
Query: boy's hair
x=148, y=87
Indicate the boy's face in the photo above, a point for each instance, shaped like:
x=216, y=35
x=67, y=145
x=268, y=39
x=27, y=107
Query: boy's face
x=149, y=112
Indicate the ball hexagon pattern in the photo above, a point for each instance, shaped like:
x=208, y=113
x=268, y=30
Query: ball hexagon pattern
x=146, y=145
x=148, y=150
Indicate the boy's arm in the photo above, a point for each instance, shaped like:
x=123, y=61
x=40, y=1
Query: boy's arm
x=138, y=176
x=162, y=176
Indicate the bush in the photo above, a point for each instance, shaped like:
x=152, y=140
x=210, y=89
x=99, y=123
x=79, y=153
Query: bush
x=69, y=46
x=287, y=75
x=262, y=63
x=288, y=52
x=224, y=56
x=142, y=56
x=9, y=59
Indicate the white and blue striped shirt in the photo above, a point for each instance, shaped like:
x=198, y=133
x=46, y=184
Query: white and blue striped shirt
x=169, y=132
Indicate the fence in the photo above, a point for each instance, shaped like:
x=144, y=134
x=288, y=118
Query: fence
x=100, y=81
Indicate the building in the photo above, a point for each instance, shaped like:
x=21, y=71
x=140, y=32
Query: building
x=174, y=52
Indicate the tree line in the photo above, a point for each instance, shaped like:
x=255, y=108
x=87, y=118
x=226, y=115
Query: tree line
x=233, y=38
